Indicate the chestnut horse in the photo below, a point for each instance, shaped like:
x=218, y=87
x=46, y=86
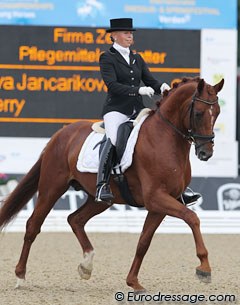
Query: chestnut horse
x=159, y=173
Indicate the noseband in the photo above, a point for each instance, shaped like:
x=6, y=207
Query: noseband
x=192, y=137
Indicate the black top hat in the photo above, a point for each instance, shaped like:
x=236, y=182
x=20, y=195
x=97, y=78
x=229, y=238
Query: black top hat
x=120, y=24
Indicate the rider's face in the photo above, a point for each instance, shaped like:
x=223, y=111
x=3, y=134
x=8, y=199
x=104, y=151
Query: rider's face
x=123, y=38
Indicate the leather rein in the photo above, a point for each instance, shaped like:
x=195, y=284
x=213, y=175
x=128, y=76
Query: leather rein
x=192, y=137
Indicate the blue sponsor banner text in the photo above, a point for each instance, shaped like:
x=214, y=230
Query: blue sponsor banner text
x=167, y=14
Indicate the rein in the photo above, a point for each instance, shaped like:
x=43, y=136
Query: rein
x=190, y=136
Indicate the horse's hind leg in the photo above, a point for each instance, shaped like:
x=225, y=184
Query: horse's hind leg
x=77, y=221
x=48, y=195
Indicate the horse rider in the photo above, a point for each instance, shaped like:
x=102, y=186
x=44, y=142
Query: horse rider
x=122, y=71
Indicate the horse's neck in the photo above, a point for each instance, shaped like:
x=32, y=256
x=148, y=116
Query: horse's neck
x=161, y=150
x=161, y=135
x=175, y=105
x=158, y=132
x=163, y=138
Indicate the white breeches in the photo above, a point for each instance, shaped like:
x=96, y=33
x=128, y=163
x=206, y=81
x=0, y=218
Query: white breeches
x=112, y=121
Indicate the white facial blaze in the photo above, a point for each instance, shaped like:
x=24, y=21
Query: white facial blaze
x=211, y=115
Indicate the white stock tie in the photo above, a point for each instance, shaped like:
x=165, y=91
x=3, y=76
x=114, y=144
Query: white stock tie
x=123, y=51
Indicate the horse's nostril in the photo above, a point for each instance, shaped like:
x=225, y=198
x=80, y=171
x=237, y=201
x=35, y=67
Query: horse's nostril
x=203, y=156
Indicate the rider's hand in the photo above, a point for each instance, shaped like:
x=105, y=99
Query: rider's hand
x=146, y=91
x=164, y=87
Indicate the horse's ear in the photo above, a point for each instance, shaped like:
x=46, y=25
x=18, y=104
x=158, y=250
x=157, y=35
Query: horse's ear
x=218, y=87
x=200, y=85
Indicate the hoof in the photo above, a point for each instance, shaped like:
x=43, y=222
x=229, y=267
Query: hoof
x=86, y=267
x=203, y=276
x=19, y=283
x=85, y=274
x=134, y=284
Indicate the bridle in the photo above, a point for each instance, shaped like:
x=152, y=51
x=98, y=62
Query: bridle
x=190, y=136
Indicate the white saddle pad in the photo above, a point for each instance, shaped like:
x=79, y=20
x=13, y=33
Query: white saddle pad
x=88, y=160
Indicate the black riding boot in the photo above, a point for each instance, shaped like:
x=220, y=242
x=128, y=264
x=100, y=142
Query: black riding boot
x=104, y=171
x=189, y=197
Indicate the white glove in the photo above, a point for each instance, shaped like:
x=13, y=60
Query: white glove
x=146, y=91
x=164, y=87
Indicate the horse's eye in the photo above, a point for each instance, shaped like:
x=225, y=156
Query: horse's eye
x=199, y=114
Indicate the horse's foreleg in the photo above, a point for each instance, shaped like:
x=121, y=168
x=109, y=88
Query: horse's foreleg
x=152, y=222
x=170, y=206
x=77, y=221
x=204, y=270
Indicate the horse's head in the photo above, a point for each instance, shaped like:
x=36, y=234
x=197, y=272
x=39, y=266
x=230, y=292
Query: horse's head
x=204, y=110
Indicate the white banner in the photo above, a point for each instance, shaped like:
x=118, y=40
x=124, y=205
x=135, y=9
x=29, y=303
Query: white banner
x=219, y=60
x=17, y=155
x=223, y=163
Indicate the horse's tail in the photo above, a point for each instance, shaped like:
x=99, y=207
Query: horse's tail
x=20, y=196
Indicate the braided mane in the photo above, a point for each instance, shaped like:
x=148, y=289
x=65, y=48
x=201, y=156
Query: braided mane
x=175, y=85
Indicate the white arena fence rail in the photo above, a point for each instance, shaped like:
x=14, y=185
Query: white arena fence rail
x=128, y=220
